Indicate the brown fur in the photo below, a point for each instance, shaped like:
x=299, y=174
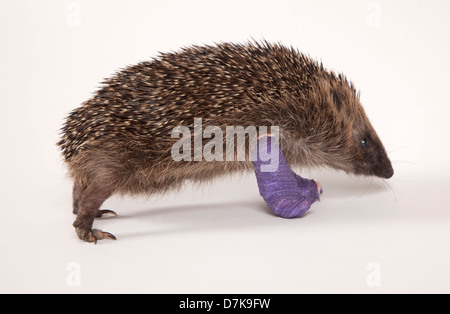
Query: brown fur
x=120, y=138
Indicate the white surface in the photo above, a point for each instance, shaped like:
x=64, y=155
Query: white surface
x=221, y=238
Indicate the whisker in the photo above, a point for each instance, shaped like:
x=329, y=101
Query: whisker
x=365, y=191
x=403, y=161
x=391, y=191
x=398, y=148
x=398, y=180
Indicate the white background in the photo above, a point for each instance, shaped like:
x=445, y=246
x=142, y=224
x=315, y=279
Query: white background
x=365, y=236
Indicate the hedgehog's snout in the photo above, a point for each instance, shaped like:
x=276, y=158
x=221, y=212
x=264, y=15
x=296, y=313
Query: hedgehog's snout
x=371, y=158
x=380, y=163
x=384, y=170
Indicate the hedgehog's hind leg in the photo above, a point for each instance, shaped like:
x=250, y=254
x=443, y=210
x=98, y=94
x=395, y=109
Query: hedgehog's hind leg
x=88, y=202
x=78, y=189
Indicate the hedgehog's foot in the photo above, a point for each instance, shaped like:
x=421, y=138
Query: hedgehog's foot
x=306, y=186
x=93, y=235
x=287, y=194
x=89, y=202
x=286, y=199
x=84, y=230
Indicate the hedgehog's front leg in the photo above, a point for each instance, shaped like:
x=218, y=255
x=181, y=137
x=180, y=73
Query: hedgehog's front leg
x=88, y=203
x=286, y=194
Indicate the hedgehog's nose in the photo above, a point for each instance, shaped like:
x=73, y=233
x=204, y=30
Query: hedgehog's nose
x=389, y=172
x=384, y=169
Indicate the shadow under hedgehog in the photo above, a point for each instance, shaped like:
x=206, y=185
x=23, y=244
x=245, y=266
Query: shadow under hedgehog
x=119, y=141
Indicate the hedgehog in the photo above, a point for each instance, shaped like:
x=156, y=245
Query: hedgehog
x=119, y=141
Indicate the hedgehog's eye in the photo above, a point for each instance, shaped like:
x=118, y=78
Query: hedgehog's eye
x=364, y=142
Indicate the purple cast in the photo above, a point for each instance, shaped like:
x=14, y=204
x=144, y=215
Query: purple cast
x=286, y=194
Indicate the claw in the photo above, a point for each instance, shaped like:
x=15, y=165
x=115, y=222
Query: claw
x=104, y=212
x=100, y=235
x=319, y=188
x=92, y=236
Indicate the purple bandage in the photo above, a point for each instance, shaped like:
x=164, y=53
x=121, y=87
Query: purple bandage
x=286, y=194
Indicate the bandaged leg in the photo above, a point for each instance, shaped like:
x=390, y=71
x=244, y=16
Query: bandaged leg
x=286, y=194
